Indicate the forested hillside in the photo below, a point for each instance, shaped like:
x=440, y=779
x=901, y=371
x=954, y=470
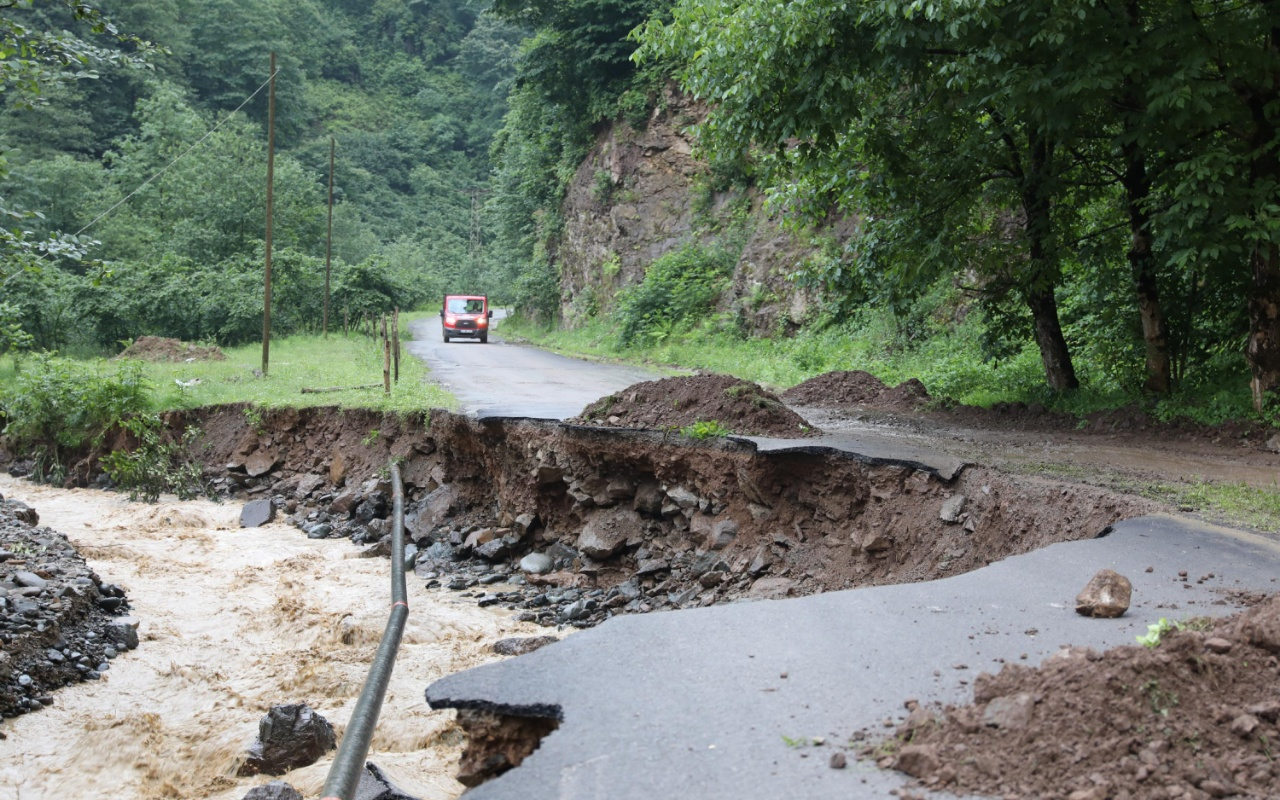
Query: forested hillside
x=1030, y=198
x=410, y=91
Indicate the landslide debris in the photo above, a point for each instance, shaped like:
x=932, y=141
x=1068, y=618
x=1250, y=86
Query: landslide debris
x=845, y=388
x=159, y=348
x=1195, y=716
x=741, y=407
x=57, y=622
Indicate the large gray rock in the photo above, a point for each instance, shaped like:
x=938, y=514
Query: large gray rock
x=276, y=790
x=375, y=785
x=257, y=513
x=260, y=462
x=606, y=532
x=34, y=581
x=648, y=499
x=722, y=535
x=1011, y=713
x=289, y=736
x=537, y=563
x=122, y=632
x=518, y=646
x=952, y=508
x=1106, y=595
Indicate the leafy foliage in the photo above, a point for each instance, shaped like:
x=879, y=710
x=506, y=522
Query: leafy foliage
x=55, y=408
x=678, y=289
x=155, y=465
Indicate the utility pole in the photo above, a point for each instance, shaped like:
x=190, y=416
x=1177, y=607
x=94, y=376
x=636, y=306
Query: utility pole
x=271, y=174
x=477, y=243
x=328, y=248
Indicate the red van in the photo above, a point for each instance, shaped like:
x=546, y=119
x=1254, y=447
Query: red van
x=465, y=315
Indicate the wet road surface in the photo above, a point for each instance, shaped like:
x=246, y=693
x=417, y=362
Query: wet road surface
x=501, y=379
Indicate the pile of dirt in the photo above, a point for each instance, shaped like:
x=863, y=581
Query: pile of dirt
x=158, y=348
x=1196, y=716
x=739, y=406
x=845, y=388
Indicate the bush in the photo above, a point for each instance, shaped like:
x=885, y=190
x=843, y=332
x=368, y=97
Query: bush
x=677, y=291
x=155, y=466
x=59, y=407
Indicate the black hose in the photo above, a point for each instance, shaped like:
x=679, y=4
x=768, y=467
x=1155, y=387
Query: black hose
x=344, y=774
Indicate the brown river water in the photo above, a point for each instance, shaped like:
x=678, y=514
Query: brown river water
x=234, y=621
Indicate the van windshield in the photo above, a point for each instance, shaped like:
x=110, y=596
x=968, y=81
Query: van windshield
x=465, y=305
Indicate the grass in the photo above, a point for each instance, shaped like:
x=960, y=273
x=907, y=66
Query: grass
x=296, y=362
x=1234, y=504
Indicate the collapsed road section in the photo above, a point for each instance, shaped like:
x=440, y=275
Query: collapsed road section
x=571, y=524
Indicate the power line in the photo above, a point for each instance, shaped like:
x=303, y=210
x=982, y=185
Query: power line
x=181, y=156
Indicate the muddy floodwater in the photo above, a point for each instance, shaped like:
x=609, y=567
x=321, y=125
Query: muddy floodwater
x=234, y=621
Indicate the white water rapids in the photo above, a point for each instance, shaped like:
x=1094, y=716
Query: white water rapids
x=234, y=621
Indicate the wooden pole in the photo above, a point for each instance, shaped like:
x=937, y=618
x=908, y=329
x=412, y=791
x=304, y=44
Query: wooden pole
x=328, y=247
x=386, y=365
x=346, y=321
x=395, y=342
x=271, y=174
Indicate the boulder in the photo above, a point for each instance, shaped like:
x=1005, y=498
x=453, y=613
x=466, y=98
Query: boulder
x=520, y=645
x=307, y=486
x=537, y=563
x=257, y=513
x=260, y=462
x=375, y=785
x=605, y=533
x=524, y=523
x=23, y=512
x=289, y=736
x=1106, y=595
x=952, y=508
x=122, y=632
x=918, y=760
x=683, y=498
x=722, y=535
x=276, y=790
x=337, y=468
x=1011, y=713
x=343, y=503
x=433, y=510
x=648, y=499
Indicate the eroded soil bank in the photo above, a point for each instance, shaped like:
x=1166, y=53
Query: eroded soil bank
x=654, y=520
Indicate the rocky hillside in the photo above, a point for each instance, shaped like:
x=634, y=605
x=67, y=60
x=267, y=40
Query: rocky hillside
x=642, y=193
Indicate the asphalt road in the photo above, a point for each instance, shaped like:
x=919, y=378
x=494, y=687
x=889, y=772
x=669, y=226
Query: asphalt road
x=500, y=379
x=709, y=703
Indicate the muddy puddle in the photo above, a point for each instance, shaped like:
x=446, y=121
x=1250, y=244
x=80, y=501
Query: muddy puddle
x=232, y=622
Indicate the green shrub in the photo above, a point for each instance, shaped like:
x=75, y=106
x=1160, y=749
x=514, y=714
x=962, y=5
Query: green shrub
x=156, y=466
x=705, y=429
x=679, y=288
x=59, y=407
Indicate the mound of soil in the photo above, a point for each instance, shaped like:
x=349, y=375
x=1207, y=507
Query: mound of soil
x=1197, y=716
x=841, y=389
x=158, y=348
x=740, y=406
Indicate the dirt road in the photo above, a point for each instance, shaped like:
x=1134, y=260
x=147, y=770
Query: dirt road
x=233, y=621
x=504, y=379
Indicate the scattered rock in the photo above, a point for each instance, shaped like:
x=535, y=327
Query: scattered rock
x=289, y=736
x=521, y=645
x=276, y=790
x=537, y=563
x=257, y=513
x=1106, y=595
x=951, y=508
x=723, y=534
x=1011, y=713
x=376, y=785
x=606, y=532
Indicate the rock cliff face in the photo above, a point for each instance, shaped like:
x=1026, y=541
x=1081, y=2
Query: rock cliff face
x=641, y=193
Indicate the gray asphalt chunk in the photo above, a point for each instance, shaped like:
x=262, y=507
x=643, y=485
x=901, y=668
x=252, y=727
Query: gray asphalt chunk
x=694, y=704
x=869, y=448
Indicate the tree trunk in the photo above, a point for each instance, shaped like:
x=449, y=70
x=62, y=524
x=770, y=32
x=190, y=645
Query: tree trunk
x=1042, y=277
x=1263, y=349
x=1155, y=330
x=1054, y=354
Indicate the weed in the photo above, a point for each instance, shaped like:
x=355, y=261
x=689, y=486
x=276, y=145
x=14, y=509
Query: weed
x=156, y=466
x=1155, y=632
x=705, y=429
x=253, y=419
x=372, y=438
x=1161, y=700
